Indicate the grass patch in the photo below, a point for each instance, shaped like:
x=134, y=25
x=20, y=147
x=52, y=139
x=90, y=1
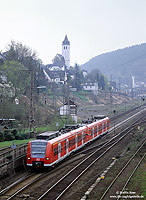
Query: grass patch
x=81, y=96
x=138, y=182
x=17, y=142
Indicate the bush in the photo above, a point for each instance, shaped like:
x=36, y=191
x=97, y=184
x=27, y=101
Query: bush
x=23, y=136
x=8, y=135
x=14, y=132
x=17, y=136
x=1, y=137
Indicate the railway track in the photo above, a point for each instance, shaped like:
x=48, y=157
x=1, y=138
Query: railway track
x=21, y=149
x=131, y=166
x=62, y=185
x=73, y=171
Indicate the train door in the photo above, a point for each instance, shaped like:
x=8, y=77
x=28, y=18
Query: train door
x=84, y=137
x=63, y=148
x=91, y=132
x=67, y=146
x=95, y=131
x=79, y=139
x=55, y=152
x=108, y=124
x=100, y=129
x=59, y=151
x=76, y=140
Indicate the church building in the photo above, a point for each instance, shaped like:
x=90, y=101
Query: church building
x=56, y=71
x=66, y=51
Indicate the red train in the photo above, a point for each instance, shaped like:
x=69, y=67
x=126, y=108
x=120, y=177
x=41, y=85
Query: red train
x=43, y=152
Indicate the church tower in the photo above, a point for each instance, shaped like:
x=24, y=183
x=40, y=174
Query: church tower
x=66, y=51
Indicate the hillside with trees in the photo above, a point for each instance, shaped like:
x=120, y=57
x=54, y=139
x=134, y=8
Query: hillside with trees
x=15, y=81
x=122, y=63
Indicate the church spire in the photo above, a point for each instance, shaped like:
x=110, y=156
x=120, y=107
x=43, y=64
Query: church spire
x=66, y=41
x=66, y=51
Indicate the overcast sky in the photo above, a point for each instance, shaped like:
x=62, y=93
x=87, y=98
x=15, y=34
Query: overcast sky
x=92, y=26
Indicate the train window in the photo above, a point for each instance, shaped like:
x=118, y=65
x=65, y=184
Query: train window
x=38, y=149
x=73, y=141
x=100, y=128
x=65, y=145
x=79, y=138
x=95, y=130
x=69, y=143
x=55, y=151
x=61, y=147
x=84, y=136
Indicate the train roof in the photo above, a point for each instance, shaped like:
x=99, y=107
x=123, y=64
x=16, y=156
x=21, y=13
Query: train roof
x=98, y=117
x=48, y=135
x=97, y=122
x=66, y=135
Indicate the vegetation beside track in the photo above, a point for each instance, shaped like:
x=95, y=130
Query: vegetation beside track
x=138, y=182
x=17, y=142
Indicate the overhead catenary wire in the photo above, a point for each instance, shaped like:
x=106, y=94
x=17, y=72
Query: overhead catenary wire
x=115, y=67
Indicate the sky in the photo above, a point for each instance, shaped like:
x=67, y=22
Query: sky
x=93, y=27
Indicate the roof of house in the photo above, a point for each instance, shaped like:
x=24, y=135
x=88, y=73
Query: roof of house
x=71, y=102
x=58, y=60
x=56, y=74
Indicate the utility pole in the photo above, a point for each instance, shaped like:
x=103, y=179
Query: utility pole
x=31, y=110
x=119, y=85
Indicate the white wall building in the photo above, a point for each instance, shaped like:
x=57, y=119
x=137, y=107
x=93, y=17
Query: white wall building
x=91, y=87
x=69, y=108
x=66, y=51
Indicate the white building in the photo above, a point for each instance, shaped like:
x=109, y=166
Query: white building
x=56, y=72
x=69, y=108
x=66, y=51
x=91, y=87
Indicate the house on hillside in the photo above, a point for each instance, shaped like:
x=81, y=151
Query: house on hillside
x=85, y=73
x=69, y=108
x=90, y=86
x=56, y=76
x=58, y=64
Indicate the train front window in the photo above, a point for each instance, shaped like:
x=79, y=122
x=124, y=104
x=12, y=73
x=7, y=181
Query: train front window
x=38, y=149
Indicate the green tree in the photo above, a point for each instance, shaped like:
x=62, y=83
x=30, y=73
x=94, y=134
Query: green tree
x=22, y=54
x=94, y=76
x=17, y=75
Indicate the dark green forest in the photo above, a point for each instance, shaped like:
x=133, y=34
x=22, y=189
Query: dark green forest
x=122, y=63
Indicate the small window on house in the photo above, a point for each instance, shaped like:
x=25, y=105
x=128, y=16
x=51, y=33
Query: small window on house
x=64, y=47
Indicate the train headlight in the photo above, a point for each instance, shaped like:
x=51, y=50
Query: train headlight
x=47, y=158
x=28, y=158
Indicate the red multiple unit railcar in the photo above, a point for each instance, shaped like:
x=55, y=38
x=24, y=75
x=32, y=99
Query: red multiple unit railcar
x=43, y=152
